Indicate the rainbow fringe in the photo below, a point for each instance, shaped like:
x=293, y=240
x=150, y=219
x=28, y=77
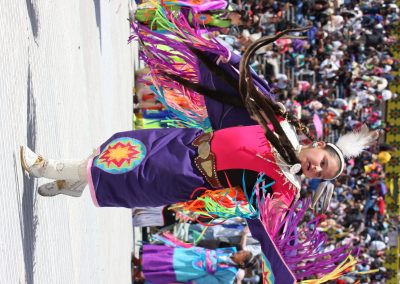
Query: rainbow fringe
x=218, y=205
x=168, y=52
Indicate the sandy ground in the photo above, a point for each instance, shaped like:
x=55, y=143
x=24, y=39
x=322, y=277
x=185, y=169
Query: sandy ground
x=66, y=78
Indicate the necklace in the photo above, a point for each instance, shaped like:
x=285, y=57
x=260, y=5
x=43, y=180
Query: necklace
x=293, y=169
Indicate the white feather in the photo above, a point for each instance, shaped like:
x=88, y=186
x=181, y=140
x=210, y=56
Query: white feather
x=353, y=143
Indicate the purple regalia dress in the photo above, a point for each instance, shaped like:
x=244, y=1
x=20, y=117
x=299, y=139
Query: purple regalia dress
x=145, y=168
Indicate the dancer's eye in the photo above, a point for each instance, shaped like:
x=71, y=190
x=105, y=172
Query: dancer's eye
x=323, y=163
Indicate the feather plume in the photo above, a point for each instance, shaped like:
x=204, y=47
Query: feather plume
x=353, y=143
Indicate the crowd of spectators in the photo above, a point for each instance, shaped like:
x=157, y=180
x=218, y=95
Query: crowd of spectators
x=340, y=72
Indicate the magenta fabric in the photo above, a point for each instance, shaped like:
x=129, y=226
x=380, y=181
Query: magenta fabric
x=245, y=147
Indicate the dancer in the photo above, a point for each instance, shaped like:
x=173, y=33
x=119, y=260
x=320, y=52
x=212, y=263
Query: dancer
x=163, y=264
x=155, y=167
x=163, y=166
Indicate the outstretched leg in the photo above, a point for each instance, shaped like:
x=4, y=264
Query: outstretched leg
x=69, y=175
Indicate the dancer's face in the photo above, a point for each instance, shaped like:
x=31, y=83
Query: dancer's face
x=317, y=162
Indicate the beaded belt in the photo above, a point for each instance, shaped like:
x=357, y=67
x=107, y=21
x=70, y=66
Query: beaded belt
x=205, y=161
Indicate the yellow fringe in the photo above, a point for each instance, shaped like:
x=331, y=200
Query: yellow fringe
x=346, y=264
x=201, y=235
x=368, y=271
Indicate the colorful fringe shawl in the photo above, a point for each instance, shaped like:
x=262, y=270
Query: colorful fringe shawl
x=217, y=205
x=169, y=52
x=300, y=243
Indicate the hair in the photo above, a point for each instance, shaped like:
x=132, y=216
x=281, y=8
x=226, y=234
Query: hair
x=260, y=107
x=265, y=110
x=249, y=262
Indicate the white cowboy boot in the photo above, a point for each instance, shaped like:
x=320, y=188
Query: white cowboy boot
x=38, y=166
x=68, y=187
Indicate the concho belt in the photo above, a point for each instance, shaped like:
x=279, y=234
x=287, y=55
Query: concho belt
x=205, y=161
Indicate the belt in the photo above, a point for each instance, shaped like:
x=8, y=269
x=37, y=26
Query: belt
x=205, y=161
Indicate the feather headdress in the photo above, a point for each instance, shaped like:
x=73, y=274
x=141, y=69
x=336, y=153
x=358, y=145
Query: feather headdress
x=352, y=144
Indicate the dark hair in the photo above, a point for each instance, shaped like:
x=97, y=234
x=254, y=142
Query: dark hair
x=249, y=262
x=263, y=109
